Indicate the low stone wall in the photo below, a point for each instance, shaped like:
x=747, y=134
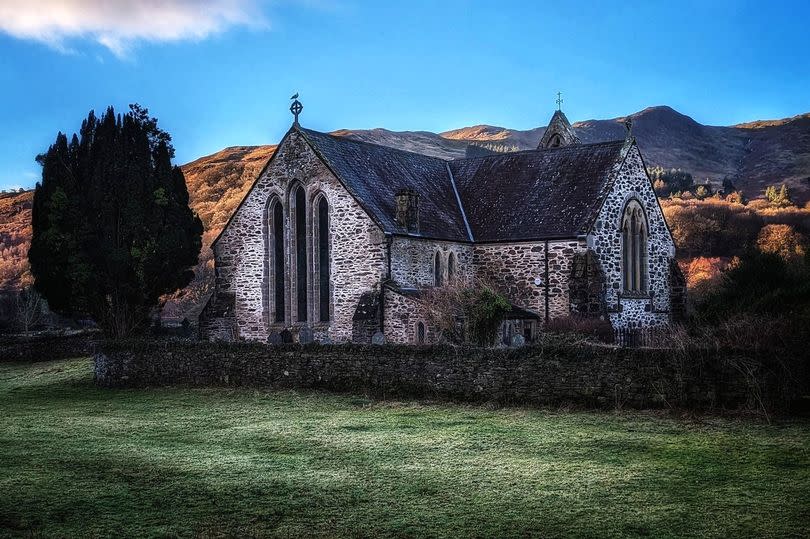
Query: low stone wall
x=46, y=347
x=584, y=375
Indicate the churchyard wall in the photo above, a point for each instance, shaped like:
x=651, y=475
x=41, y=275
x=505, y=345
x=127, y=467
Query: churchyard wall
x=549, y=373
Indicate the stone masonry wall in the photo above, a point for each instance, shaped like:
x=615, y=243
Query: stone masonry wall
x=513, y=267
x=605, y=240
x=547, y=374
x=412, y=260
x=357, y=252
x=402, y=314
x=47, y=347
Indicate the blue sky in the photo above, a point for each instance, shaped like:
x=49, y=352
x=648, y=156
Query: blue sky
x=219, y=73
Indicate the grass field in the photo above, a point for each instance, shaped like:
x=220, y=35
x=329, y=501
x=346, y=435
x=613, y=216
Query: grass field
x=80, y=461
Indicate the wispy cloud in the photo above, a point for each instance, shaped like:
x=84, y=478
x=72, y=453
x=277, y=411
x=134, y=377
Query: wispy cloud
x=118, y=25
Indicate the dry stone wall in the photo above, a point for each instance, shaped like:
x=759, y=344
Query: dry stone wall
x=546, y=374
x=47, y=347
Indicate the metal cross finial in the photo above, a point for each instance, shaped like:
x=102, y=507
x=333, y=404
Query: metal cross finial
x=559, y=100
x=296, y=107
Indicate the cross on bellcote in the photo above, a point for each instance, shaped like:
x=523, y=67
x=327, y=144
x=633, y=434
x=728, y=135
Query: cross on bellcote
x=296, y=107
x=559, y=101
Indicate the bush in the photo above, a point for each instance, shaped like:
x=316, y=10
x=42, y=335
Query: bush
x=761, y=283
x=779, y=197
x=484, y=310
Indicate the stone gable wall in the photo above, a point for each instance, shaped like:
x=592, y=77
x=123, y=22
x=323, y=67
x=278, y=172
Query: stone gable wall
x=513, y=267
x=605, y=240
x=357, y=251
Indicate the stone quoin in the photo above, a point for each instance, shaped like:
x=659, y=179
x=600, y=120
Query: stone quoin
x=338, y=240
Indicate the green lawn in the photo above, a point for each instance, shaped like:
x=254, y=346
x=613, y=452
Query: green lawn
x=80, y=461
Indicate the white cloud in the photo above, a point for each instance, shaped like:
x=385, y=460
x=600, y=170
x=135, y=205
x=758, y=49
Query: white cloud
x=120, y=24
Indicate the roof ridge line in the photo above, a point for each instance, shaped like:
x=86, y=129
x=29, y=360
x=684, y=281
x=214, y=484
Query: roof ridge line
x=535, y=150
x=367, y=143
x=460, y=205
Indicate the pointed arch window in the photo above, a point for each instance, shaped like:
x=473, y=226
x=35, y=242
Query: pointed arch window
x=451, y=268
x=437, y=269
x=634, y=249
x=300, y=220
x=323, y=269
x=420, y=333
x=277, y=253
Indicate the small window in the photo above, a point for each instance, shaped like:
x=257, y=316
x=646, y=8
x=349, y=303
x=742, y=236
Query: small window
x=437, y=269
x=420, y=333
x=451, y=268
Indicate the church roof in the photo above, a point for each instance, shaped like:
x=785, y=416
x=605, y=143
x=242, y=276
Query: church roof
x=529, y=195
x=374, y=174
x=539, y=194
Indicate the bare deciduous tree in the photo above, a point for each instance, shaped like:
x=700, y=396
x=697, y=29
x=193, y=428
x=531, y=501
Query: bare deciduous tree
x=29, y=308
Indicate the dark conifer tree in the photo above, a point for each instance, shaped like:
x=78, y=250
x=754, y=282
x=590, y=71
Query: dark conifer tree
x=112, y=229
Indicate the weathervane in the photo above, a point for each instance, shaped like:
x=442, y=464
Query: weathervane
x=559, y=101
x=296, y=107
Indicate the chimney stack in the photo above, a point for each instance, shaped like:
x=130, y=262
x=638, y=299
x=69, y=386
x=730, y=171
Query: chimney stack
x=408, y=209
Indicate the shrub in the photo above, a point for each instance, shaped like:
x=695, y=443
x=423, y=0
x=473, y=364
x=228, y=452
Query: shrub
x=484, y=310
x=778, y=196
x=782, y=240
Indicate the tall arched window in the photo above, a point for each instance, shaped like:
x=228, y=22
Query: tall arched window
x=300, y=253
x=634, y=249
x=437, y=269
x=323, y=260
x=420, y=333
x=277, y=249
x=451, y=268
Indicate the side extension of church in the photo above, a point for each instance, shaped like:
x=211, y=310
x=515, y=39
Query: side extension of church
x=338, y=240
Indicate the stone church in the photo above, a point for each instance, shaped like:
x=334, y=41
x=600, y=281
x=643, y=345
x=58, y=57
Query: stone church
x=340, y=240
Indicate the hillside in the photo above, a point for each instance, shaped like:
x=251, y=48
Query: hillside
x=15, y=234
x=753, y=155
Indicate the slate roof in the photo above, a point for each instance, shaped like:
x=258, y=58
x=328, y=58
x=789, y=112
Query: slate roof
x=530, y=195
x=539, y=194
x=374, y=174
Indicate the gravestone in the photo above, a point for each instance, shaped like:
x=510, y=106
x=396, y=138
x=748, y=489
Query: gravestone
x=274, y=338
x=518, y=340
x=305, y=335
x=378, y=338
x=286, y=336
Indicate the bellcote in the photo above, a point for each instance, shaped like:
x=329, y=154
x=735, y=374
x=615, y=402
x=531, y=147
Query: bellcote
x=558, y=133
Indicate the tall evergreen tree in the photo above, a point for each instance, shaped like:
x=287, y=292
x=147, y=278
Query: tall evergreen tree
x=112, y=229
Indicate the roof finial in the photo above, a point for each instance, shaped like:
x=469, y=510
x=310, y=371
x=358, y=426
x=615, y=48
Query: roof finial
x=559, y=101
x=628, y=124
x=296, y=107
